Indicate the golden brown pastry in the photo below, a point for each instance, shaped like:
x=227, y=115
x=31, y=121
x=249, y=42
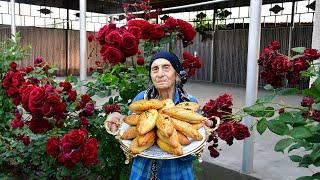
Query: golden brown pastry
x=131, y=119
x=197, y=125
x=186, y=129
x=136, y=149
x=168, y=103
x=164, y=123
x=166, y=147
x=143, y=105
x=183, y=140
x=184, y=115
x=147, y=138
x=147, y=121
x=130, y=133
x=172, y=140
x=193, y=106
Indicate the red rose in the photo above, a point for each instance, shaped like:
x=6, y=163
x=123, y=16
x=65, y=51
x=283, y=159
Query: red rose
x=84, y=121
x=53, y=106
x=90, y=152
x=26, y=140
x=275, y=45
x=38, y=60
x=90, y=37
x=89, y=109
x=140, y=61
x=85, y=98
x=213, y=152
x=69, y=160
x=300, y=64
x=240, y=131
x=171, y=24
x=311, y=54
x=147, y=31
x=75, y=137
x=138, y=23
x=225, y=131
x=130, y=45
x=17, y=79
x=307, y=101
x=187, y=30
x=113, y=55
x=16, y=100
x=157, y=32
x=315, y=115
x=293, y=78
x=66, y=86
x=17, y=122
x=39, y=125
x=36, y=99
x=112, y=108
x=25, y=92
x=53, y=146
x=281, y=63
x=105, y=30
x=114, y=39
x=136, y=31
x=13, y=66
x=28, y=69
x=103, y=50
x=72, y=96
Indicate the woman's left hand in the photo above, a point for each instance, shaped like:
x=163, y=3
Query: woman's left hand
x=209, y=123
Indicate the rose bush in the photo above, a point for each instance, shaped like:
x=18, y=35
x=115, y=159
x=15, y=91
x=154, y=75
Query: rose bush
x=298, y=125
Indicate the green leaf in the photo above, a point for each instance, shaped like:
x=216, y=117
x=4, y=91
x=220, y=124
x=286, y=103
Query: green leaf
x=293, y=147
x=261, y=126
x=316, y=106
x=298, y=50
x=317, y=175
x=315, y=154
x=305, y=162
x=265, y=99
x=101, y=94
x=287, y=91
x=293, y=118
x=277, y=127
x=258, y=110
x=52, y=70
x=283, y=144
x=165, y=40
x=71, y=79
x=295, y=158
x=110, y=100
x=314, y=91
x=268, y=87
x=306, y=178
x=300, y=132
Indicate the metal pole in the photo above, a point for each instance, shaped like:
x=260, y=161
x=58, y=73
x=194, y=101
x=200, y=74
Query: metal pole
x=83, y=44
x=13, y=19
x=316, y=36
x=212, y=45
x=291, y=27
x=252, y=79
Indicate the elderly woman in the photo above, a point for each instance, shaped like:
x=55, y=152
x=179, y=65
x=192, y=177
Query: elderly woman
x=167, y=76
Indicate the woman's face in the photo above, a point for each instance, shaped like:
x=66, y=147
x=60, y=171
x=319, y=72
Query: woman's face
x=163, y=75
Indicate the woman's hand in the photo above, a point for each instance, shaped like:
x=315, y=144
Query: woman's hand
x=212, y=122
x=112, y=123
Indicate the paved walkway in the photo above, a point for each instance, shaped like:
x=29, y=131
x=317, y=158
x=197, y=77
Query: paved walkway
x=268, y=164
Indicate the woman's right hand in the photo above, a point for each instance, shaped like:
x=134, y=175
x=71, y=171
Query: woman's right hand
x=112, y=123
